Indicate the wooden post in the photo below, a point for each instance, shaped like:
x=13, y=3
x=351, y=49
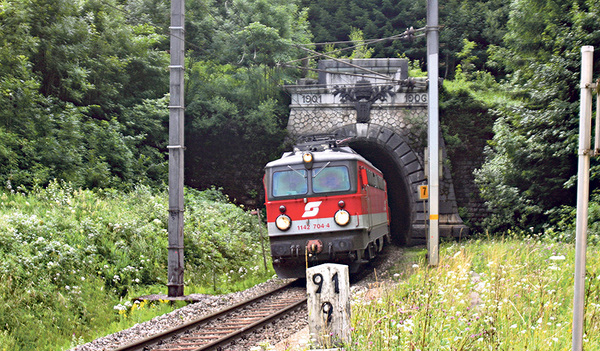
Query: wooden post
x=328, y=289
x=260, y=234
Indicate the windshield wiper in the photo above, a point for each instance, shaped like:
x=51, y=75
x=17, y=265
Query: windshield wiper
x=295, y=170
x=322, y=168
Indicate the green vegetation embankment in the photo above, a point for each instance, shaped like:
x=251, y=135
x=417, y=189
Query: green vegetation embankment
x=507, y=293
x=71, y=259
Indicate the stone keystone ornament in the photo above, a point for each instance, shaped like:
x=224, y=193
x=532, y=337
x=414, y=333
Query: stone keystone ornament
x=363, y=94
x=328, y=289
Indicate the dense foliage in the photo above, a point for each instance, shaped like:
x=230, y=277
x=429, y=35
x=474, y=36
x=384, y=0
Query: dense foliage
x=76, y=79
x=480, y=22
x=513, y=293
x=83, y=91
x=69, y=256
x=236, y=112
x=531, y=160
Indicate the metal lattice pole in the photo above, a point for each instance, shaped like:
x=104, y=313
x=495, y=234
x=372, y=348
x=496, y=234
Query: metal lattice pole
x=176, y=148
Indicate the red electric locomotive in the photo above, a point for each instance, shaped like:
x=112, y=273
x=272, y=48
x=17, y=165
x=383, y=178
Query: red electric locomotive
x=325, y=203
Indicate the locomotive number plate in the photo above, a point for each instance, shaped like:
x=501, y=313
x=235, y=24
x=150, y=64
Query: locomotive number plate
x=313, y=226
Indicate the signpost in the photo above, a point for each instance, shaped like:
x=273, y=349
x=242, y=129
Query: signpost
x=423, y=192
x=328, y=289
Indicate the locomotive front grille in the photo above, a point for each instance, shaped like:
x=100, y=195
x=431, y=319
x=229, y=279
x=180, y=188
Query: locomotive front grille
x=296, y=246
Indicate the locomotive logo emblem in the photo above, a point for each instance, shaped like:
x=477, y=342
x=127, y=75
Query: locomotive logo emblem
x=311, y=209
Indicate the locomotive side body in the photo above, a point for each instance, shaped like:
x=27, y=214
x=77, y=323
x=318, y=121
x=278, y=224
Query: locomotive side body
x=324, y=206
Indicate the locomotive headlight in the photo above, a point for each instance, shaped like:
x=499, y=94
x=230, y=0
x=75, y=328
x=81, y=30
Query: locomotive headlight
x=307, y=158
x=283, y=222
x=342, y=217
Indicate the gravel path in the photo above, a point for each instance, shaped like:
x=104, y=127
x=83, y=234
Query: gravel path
x=290, y=333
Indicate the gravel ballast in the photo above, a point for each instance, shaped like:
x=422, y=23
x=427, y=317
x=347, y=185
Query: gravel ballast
x=290, y=332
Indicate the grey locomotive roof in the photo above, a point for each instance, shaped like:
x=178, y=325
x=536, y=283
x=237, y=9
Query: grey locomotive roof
x=339, y=154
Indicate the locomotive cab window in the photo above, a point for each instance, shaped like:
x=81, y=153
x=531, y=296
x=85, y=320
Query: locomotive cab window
x=375, y=180
x=331, y=179
x=292, y=182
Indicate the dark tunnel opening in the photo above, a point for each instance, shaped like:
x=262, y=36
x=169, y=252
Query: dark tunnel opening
x=398, y=199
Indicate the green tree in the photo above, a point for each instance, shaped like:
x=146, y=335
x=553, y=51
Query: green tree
x=532, y=155
x=360, y=51
x=235, y=123
x=67, y=72
x=236, y=110
x=481, y=22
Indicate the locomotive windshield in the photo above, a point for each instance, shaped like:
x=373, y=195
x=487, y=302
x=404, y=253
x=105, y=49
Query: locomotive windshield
x=331, y=179
x=292, y=182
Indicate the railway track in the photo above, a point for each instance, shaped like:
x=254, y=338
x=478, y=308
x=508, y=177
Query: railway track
x=215, y=331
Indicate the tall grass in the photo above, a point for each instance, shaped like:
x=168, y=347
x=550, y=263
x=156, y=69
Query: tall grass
x=493, y=294
x=71, y=259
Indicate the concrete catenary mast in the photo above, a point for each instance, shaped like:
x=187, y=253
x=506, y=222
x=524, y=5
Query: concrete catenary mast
x=176, y=148
x=583, y=193
x=433, y=132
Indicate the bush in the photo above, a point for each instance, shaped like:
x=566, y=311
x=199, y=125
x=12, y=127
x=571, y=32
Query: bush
x=70, y=255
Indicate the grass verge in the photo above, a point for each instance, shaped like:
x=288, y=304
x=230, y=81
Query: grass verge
x=493, y=294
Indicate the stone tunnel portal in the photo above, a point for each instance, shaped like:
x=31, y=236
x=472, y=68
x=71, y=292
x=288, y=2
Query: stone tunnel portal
x=381, y=111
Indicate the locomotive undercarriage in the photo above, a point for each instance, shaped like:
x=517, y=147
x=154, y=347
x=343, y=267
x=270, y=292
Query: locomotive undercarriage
x=353, y=248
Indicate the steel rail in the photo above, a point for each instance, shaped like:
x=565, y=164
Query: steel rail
x=143, y=344
x=250, y=328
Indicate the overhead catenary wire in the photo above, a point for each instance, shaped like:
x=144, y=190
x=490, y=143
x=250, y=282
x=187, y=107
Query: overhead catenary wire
x=346, y=63
x=408, y=34
x=380, y=76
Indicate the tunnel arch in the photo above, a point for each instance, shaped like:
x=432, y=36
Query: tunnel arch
x=403, y=171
